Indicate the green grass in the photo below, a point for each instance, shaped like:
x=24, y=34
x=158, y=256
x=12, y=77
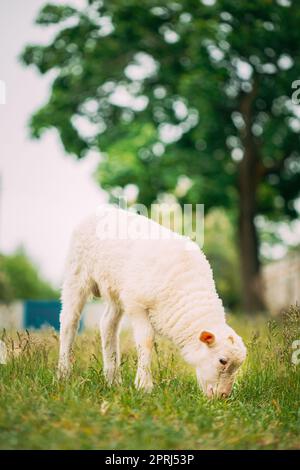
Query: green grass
x=38, y=412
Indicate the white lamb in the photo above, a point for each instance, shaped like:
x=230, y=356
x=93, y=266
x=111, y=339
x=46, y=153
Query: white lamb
x=164, y=283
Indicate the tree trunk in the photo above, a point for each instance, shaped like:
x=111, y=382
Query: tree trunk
x=248, y=241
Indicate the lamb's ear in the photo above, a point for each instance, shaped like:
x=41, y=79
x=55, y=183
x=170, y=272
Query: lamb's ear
x=207, y=337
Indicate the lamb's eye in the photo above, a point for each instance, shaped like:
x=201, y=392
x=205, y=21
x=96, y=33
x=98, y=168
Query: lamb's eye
x=223, y=362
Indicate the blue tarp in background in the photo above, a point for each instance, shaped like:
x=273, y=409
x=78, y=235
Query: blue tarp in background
x=39, y=313
x=43, y=313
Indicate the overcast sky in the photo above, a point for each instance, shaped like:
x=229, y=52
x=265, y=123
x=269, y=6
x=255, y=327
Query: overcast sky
x=44, y=192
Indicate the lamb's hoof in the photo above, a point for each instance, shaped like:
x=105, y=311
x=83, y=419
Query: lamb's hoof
x=63, y=372
x=113, y=379
x=118, y=380
x=143, y=384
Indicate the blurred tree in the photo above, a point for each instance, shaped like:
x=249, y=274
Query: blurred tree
x=220, y=249
x=6, y=290
x=196, y=88
x=20, y=279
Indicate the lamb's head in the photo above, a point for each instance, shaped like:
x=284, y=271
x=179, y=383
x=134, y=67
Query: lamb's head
x=219, y=355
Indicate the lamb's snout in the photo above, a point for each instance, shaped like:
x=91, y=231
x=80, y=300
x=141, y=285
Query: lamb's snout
x=216, y=392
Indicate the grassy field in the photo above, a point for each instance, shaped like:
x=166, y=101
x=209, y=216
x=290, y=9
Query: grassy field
x=38, y=412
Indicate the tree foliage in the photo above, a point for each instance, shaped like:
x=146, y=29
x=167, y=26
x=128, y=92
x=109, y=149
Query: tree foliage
x=205, y=59
x=195, y=88
x=20, y=279
x=220, y=249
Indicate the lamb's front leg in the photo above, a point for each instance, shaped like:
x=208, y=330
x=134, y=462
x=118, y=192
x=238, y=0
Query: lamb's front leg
x=144, y=337
x=109, y=328
x=73, y=300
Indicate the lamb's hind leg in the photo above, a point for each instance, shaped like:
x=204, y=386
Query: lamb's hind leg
x=109, y=329
x=73, y=300
x=144, y=338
